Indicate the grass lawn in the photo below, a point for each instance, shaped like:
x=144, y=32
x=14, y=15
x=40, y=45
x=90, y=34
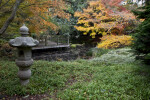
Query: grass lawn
x=112, y=76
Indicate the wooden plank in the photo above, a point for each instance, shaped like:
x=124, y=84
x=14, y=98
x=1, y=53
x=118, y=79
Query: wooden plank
x=50, y=47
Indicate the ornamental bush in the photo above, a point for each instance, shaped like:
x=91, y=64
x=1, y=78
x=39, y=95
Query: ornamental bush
x=114, y=41
x=116, y=56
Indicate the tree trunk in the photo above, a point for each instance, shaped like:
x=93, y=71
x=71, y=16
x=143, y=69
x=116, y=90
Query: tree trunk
x=0, y=2
x=12, y=16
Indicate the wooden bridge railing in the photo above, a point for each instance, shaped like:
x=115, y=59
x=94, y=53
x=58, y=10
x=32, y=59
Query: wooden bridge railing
x=53, y=40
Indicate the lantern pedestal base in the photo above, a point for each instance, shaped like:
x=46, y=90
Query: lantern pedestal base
x=24, y=74
x=24, y=82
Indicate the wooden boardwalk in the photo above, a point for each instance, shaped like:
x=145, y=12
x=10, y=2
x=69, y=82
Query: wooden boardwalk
x=50, y=47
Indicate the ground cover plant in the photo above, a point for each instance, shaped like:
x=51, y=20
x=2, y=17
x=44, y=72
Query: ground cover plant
x=81, y=79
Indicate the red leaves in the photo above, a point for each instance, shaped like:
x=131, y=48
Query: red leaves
x=113, y=5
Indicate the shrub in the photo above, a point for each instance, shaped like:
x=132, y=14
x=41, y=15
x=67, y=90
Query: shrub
x=113, y=41
x=7, y=51
x=2, y=41
x=117, y=56
x=142, y=35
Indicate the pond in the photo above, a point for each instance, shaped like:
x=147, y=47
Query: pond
x=62, y=54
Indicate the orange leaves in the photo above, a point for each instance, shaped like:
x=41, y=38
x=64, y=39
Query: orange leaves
x=93, y=3
x=113, y=4
x=43, y=10
x=59, y=7
x=77, y=14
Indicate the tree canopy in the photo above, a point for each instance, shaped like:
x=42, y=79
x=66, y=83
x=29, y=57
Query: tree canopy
x=32, y=12
x=99, y=18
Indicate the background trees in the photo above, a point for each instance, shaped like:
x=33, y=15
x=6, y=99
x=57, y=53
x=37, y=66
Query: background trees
x=6, y=8
x=33, y=12
x=101, y=18
x=43, y=11
x=72, y=17
x=67, y=26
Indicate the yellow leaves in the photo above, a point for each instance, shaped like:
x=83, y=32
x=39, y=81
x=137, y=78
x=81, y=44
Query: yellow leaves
x=93, y=19
x=93, y=34
x=84, y=29
x=141, y=20
x=101, y=7
x=86, y=24
x=104, y=33
x=89, y=10
x=113, y=41
x=81, y=21
x=85, y=33
x=80, y=28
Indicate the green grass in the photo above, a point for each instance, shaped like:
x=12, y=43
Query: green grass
x=46, y=76
x=113, y=82
x=81, y=80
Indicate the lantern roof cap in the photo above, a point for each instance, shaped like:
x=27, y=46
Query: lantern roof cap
x=24, y=30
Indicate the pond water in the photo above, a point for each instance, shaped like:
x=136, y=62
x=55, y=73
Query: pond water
x=62, y=54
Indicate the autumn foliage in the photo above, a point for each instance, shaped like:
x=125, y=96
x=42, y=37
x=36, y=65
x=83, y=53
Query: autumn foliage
x=115, y=41
x=98, y=19
x=113, y=5
x=93, y=19
x=42, y=10
x=105, y=17
x=34, y=13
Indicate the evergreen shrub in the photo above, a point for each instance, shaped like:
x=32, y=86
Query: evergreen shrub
x=141, y=42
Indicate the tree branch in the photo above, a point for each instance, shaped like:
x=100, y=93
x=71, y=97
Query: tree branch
x=4, y=4
x=0, y=2
x=5, y=13
x=10, y=19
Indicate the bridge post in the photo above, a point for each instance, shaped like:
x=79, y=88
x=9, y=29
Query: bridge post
x=58, y=40
x=68, y=40
x=45, y=40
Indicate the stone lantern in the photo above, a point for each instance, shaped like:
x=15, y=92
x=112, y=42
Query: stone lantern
x=24, y=45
